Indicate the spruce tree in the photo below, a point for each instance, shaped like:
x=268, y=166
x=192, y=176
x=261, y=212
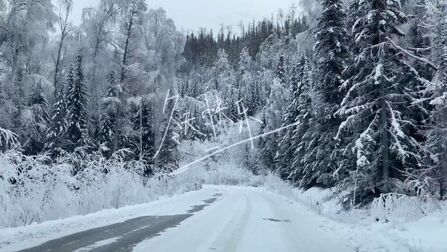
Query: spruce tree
x=331, y=54
x=303, y=172
x=284, y=155
x=419, y=36
x=167, y=159
x=436, y=169
x=77, y=112
x=378, y=109
x=58, y=126
x=281, y=70
x=143, y=136
x=109, y=113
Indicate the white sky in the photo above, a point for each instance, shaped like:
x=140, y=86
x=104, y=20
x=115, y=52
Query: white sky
x=194, y=14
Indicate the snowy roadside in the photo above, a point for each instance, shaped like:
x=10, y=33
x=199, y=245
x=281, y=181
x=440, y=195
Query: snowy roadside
x=12, y=239
x=416, y=233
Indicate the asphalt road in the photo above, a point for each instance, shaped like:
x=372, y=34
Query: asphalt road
x=120, y=237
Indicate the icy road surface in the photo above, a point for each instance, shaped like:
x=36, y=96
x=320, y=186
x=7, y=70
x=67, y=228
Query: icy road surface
x=216, y=218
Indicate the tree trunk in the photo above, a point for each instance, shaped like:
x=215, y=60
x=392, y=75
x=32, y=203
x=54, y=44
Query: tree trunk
x=443, y=175
x=57, y=67
x=126, y=47
x=141, y=131
x=384, y=140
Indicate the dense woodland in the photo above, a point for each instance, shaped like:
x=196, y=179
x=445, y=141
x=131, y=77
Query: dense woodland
x=364, y=87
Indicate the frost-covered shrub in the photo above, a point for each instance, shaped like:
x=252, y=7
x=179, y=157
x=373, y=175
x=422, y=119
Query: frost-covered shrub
x=32, y=189
x=8, y=139
x=394, y=207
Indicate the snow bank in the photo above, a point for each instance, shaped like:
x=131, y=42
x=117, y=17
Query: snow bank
x=392, y=223
x=18, y=238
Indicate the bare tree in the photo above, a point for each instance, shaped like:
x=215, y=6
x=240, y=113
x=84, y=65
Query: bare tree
x=65, y=26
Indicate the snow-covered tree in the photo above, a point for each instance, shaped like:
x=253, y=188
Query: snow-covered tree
x=302, y=142
x=284, y=155
x=378, y=109
x=331, y=54
x=143, y=137
x=77, y=110
x=58, y=125
x=272, y=119
x=36, y=123
x=131, y=19
x=281, y=70
x=110, y=107
x=436, y=170
x=167, y=158
x=420, y=36
x=64, y=27
x=224, y=81
x=248, y=86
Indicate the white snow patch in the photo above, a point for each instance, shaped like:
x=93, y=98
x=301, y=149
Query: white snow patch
x=98, y=244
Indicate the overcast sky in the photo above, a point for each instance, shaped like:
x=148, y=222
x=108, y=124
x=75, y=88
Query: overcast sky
x=194, y=14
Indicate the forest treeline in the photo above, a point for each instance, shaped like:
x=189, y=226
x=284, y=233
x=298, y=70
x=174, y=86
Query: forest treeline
x=363, y=86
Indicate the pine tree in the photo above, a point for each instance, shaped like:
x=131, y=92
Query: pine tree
x=378, y=109
x=77, y=113
x=331, y=53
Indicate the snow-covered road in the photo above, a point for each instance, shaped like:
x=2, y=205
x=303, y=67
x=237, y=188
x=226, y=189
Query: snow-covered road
x=216, y=218
x=247, y=219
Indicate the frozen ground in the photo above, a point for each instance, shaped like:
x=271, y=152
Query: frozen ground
x=231, y=218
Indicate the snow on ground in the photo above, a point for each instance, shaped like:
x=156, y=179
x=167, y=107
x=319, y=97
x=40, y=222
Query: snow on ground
x=251, y=219
x=276, y=213
x=12, y=239
x=415, y=232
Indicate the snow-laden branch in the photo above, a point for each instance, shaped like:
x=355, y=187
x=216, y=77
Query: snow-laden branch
x=432, y=65
x=8, y=138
